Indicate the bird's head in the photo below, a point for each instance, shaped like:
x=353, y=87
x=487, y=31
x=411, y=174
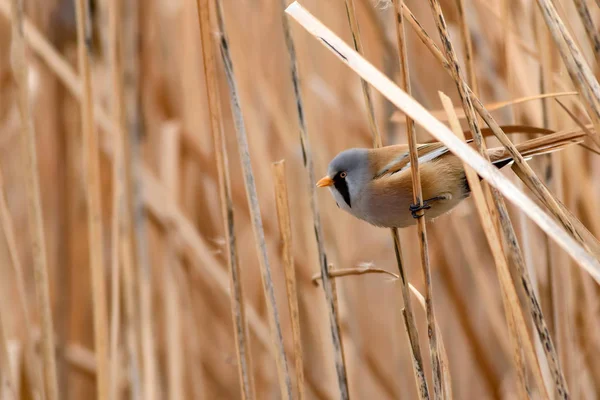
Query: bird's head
x=347, y=175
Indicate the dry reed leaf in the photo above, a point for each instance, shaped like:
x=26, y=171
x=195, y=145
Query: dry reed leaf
x=442, y=116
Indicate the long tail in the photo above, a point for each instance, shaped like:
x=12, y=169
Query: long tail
x=500, y=157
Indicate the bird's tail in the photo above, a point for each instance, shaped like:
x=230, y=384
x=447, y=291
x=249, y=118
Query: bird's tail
x=500, y=157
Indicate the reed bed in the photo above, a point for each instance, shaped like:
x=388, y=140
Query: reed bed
x=161, y=235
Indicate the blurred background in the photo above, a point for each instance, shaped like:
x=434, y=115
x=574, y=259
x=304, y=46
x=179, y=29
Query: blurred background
x=167, y=115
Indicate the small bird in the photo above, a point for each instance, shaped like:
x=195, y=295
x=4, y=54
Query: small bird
x=375, y=185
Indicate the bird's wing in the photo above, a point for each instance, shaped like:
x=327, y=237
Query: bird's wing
x=401, y=162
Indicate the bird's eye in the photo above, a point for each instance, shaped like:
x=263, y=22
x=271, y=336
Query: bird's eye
x=343, y=174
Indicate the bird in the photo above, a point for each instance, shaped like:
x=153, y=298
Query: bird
x=375, y=185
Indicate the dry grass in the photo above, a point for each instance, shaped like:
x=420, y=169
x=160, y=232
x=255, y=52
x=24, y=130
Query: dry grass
x=171, y=241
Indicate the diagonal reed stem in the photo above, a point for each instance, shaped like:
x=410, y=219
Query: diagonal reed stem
x=515, y=253
x=464, y=152
x=237, y=299
x=530, y=178
x=498, y=209
x=513, y=312
x=34, y=205
x=579, y=71
x=171, y=264
x=588, y=24
x=285, y=383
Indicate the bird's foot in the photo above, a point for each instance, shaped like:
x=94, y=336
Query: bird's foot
x=414, y=209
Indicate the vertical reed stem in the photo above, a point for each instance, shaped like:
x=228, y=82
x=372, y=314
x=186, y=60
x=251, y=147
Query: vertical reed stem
x=467, y=45
x=172, y=303
x=34, y=205
x=92, y=168
x=354, y=28
x=118, y=116
x=238, y=309
x=285, y=383
x=8, y=232
x=340, y=366
x=7, y=384
x=285, y=232
x=418, y=201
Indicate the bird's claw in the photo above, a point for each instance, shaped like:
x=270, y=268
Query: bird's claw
x=414, y=209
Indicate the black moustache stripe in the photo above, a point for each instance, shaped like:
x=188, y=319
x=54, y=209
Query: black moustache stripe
x=342, y=187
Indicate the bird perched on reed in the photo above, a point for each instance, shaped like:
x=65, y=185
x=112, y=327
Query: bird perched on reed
x=375, y=185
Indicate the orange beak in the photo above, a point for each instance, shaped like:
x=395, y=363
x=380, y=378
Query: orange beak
x=325, y=181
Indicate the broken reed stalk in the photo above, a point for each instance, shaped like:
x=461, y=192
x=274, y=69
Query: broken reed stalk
x=513, y=312
x=171, y=264
x=92, y=168
x=34, y=204
x=118, y=115
x=238, y=310
x=354, y=271
x=340, y=366
x=460, y=112
x=417, y=197
x=418, y=201
x=31, y=363
x=285, y=232
x=588, y=24
x=285, y=383
x=578, y=69
x=442, y=133
x=498, y=209
x=354, y=28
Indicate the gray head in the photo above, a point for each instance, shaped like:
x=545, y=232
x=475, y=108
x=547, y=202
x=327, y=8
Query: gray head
x=347, y=175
